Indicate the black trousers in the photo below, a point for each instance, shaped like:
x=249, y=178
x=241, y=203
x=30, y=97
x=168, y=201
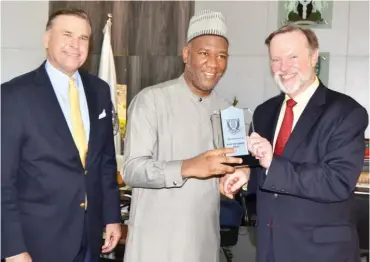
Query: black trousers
x=270, y=254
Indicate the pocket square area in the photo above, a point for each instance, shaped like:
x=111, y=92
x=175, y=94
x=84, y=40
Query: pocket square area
x=102, y=114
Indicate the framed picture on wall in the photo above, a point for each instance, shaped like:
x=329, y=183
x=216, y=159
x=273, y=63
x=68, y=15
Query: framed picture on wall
x=322, y=67
x=307, y=13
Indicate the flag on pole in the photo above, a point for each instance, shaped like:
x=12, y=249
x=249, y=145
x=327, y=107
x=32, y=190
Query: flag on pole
x=107, y=72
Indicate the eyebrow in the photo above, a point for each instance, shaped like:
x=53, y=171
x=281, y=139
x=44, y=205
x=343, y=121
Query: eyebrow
x=285, y=55
x=69, y=32
x=210, y=50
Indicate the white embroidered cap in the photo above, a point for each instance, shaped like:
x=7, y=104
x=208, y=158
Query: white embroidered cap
x=207, y=22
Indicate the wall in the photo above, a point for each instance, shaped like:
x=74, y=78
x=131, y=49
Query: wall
x=249, y=23
x=22, y=28
x=248, y=75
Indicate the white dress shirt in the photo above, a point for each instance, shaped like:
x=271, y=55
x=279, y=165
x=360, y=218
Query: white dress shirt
x=302, y=101
x=59, y=81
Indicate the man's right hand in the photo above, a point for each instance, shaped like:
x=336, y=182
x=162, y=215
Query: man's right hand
x=231, y=183
x=23, y=257
x=210, y=163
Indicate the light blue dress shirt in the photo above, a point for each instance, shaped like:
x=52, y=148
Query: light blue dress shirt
x=59, y=81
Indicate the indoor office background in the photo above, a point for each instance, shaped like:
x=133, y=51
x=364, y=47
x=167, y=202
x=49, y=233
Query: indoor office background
x=249, y=22
x=248, y=74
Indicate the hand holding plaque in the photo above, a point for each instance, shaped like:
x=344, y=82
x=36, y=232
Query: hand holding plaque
x=230, y=127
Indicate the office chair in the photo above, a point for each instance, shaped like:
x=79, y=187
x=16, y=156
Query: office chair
x=231, y=214
x=362, y=215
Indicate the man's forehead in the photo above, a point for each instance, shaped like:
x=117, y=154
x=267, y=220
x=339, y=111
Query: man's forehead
x=290, y=38
x=71, y=21
x=210, y=41
x=288, y=43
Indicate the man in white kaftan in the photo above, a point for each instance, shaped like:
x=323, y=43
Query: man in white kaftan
x=170, y=160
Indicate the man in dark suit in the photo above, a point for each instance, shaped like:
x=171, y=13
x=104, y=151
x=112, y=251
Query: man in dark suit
x=310, y=144
x=58, y=167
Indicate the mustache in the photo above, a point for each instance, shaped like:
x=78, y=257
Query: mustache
x=279, y=73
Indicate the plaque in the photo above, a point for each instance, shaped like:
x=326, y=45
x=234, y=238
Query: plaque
x=230, y=127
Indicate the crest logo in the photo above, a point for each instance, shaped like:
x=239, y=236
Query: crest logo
x=233, y=125
x=305, y=12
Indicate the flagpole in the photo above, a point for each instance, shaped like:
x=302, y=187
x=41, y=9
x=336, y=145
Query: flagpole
x=107, y=72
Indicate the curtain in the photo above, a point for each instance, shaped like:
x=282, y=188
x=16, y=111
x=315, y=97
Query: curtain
x=147, y=38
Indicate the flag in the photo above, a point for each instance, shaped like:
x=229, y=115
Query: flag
x=107, y=72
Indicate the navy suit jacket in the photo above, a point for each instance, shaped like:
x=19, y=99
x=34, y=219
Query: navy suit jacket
x=43, y=182
x=305, y=202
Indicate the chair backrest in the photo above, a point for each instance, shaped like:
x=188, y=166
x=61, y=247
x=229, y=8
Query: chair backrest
x=231, y=213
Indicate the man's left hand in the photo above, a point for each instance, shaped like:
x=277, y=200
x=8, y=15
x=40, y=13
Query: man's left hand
x=112, y=236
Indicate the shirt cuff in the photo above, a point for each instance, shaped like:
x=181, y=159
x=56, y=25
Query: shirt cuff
x=172, y=174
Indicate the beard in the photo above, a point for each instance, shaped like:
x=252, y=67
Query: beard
x=290, y=89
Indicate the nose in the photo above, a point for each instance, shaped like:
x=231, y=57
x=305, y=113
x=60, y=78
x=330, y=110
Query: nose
x=284, y=66
x=74, y=42
x=212, y=61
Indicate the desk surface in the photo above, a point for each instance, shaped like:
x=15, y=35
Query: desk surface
x=362, y=190
x=363, y=186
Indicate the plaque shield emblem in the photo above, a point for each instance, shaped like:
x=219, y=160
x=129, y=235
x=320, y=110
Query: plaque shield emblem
x=233, y=125
x=230, y=128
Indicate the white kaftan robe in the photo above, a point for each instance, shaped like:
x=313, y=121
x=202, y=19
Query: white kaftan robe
x=172, y=219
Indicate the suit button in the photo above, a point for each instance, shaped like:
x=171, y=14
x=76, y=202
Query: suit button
x=276, y=195
x=85, y=172
x=273, y=186
x=174, y=183
x=82, y=205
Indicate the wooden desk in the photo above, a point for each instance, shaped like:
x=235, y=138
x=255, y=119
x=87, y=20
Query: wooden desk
x=363, y=185
x=124, y=229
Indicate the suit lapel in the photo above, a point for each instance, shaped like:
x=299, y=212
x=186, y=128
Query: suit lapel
x=92, y=104
x=274, y=113
x=306, y=121
x=47, y=99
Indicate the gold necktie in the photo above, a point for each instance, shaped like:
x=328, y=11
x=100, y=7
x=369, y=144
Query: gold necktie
x=78, y=130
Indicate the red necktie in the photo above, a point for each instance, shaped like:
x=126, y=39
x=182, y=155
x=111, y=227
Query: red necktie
x=286, y=128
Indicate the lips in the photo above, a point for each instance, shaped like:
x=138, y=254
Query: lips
x=72, y=54
x=209, y=75
x=287, y=77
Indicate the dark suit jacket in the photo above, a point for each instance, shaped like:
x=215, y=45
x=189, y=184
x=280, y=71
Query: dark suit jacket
x=43, y=181
x=305, y=203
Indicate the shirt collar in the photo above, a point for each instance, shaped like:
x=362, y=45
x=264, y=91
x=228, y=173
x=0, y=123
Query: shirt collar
x=195, y=97
x=57, y=74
